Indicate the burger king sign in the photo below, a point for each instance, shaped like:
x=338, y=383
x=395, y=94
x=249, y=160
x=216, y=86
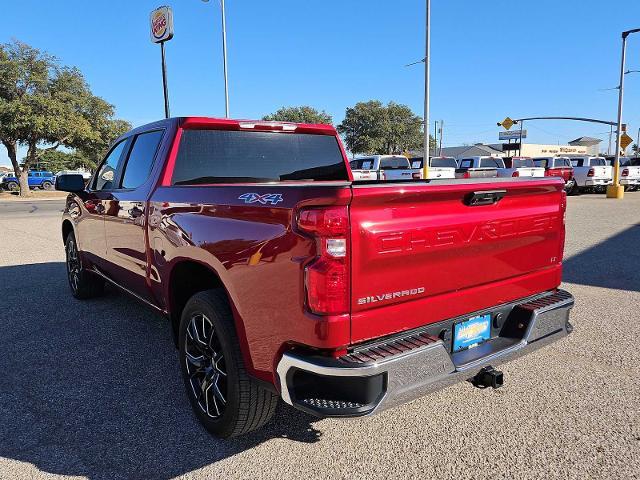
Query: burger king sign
x=161, y=24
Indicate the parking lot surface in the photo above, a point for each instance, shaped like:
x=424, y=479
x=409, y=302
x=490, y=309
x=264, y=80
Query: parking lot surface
x=93, y=389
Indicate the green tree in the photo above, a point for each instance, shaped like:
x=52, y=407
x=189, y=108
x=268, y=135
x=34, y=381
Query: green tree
x=44, y=105
x=304, y=114
x=56, y=160
x=373, y=128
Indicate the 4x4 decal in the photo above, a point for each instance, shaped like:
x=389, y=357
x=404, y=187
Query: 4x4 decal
x=267, y=198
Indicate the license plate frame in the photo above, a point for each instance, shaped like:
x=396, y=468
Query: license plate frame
x=471, y=332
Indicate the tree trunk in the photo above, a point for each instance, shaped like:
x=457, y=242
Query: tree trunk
x=20, y=173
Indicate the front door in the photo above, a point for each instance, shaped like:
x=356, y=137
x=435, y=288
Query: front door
x=126, y=214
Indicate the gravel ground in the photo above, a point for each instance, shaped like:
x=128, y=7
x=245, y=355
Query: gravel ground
x=92, y=389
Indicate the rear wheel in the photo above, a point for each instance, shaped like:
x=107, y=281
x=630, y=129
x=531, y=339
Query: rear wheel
x=47, y=186
x=223, y=397
x=574, y=189
x=13, y=186
x=83, y=284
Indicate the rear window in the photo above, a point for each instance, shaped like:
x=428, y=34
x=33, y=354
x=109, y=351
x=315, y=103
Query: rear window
x=563, y=162
x=222, y=156
x=598, y=162
x=542, y=162
x=444, y=162
x=491, y=162
x=416, y=162
x=466, y=163
x=394, y=163
x=522, y=162
x=361, y=164
x=577, y=162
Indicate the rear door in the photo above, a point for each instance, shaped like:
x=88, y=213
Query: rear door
x=422, y=254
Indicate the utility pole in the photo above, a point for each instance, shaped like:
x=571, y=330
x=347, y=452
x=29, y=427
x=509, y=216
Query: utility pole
x=435, y=131
x=610, y=135
x=427, y=61
x=441, y=134
x=616, y=190
x=224, y=60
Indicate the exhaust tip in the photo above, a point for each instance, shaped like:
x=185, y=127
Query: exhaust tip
x=488, y=377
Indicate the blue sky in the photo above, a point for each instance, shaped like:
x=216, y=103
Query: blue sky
x=489, y=58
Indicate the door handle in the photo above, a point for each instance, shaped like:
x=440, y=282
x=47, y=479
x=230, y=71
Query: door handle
x=487, y=197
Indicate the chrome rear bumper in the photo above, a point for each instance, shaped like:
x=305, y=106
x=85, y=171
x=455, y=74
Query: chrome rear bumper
x=361, y=384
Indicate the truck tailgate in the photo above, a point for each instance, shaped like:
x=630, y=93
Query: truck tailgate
x=421, y=253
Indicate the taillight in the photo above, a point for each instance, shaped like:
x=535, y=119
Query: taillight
x=466, y=174
x=416, y=176
x=327, y=277
x=591, y=173
x=515, y=174
x=625, y=172
x=563, y=212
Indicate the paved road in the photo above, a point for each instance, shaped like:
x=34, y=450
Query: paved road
x=92, y=389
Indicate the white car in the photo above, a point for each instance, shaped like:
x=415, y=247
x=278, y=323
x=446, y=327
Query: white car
x=629, y=172
x=591, y=173
x=520, y=167
x=439, y=167
x=382, y=167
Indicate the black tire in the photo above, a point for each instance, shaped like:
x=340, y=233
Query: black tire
x=574, y=190
x=47, y=186
x=83, y=284
x=13, y=186
x=223, y=397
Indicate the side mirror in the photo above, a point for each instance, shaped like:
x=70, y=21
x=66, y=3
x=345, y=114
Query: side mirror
x=70, y=182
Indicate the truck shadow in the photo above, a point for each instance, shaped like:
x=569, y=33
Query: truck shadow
x=93, y=388
x=613, y=263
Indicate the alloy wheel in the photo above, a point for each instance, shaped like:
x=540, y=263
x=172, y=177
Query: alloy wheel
x=205, y=365
x=73, y=264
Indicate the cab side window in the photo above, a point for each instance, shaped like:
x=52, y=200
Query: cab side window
x=107, y=172
x=141, y=158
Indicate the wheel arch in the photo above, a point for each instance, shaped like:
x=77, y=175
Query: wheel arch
x=67, y=227
x=188, y=277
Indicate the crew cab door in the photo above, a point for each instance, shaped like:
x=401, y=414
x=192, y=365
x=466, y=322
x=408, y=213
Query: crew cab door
x=126, y=216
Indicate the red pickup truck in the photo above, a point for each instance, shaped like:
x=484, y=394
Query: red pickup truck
x=282, y=278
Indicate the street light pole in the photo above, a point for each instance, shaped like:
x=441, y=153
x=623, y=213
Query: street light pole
x=616, y=190
x=427, y=61
x=224, y=60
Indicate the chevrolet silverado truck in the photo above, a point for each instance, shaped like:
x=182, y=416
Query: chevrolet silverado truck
x=282, y=278
x=439, y=167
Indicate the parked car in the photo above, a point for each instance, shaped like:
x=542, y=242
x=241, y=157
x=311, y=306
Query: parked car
x=557, y=167
x=381, y=167
x=629, y=171
x=590, y=173
x=519, y=167
x=282, y=278
x=440, y=167
x=37, y=179
x=479, y=167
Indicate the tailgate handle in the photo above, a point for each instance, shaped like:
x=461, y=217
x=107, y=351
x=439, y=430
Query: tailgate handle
x=488, y=197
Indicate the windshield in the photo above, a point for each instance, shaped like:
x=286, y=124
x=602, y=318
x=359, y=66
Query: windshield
x=522, y=162
x=491, y=162
x=447, y=162
x=361, y=164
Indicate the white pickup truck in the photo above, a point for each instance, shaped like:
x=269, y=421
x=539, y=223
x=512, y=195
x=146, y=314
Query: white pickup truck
x=520, y=167
x=382, y=167
x=629, y=172
x=591, y=173
x=439, y=167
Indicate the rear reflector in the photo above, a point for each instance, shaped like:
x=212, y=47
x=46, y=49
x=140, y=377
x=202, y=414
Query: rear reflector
x=625, y=172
